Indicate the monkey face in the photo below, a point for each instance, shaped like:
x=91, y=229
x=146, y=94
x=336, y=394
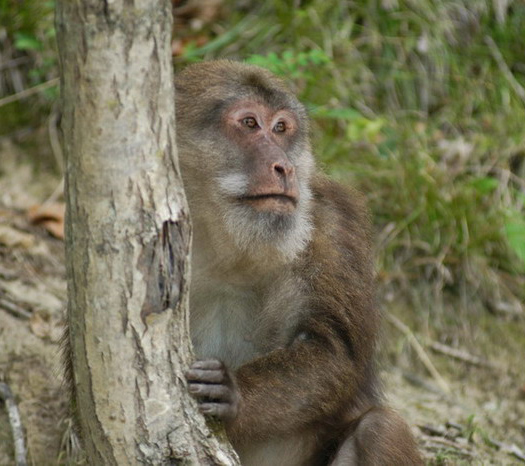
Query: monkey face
x=262, y=138
x=265, y=179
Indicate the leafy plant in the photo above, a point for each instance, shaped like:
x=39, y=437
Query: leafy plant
x=515, y=232
x=296, y=66
x=25, y=41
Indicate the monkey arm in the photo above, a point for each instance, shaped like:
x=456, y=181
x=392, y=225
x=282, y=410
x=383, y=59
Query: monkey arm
x=303, y=385
x=327, y=366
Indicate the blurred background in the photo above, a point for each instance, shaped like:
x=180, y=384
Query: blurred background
x=418, y=103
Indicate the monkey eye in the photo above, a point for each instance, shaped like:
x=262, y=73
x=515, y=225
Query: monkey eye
x=250, y=122
x=280, y=127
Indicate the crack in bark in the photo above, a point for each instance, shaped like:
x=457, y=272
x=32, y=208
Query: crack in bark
x=141, y=362
x=163, y=265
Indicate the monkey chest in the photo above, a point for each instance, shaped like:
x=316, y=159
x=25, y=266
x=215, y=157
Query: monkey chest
x=223, y=325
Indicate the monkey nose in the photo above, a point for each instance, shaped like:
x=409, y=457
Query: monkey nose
x=282, y=169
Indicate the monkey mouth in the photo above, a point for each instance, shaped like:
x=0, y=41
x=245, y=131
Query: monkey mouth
x=282, y=203
x=279, y=197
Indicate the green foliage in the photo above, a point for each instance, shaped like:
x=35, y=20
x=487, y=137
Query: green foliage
x=410, y=103
x=29, y=23
x=346, y=114
x=297, y=66
x=30, y=28
x=515, y=232
x=193, y=53
x=25, y=41
x=28, y=33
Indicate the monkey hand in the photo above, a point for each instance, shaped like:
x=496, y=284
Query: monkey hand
x=214, y=387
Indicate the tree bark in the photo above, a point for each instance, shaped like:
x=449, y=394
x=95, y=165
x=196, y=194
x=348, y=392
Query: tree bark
x=127, y=237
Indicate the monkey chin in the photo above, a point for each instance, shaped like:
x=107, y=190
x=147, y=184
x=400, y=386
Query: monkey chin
x=263, y=223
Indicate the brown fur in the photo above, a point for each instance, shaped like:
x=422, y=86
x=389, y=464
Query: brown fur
x=297, y=332
x=304, y=327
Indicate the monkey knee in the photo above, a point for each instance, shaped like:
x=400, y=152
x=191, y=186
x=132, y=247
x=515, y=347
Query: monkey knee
x=383, y=438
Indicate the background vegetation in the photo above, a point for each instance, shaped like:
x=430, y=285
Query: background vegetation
x=420, y=103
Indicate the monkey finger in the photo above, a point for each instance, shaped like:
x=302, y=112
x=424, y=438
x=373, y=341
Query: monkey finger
x=209, y=364
x=205, y=376
x=220, y=410
x=212, y=391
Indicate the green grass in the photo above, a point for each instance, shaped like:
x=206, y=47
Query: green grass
x=409, y=103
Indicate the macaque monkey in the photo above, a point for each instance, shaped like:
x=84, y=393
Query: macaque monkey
x=282, y=313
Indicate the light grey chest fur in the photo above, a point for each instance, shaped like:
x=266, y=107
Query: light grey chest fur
x=222, y=322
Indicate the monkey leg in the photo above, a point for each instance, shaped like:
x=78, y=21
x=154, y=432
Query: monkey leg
x=381, y=438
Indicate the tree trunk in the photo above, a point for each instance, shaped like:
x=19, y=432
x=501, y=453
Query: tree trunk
x=127, y=237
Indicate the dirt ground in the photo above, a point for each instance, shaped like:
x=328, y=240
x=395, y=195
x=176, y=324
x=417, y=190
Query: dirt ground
x=481, y=420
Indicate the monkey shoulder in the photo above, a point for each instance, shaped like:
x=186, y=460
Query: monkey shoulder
x=342, y=230
x=338, y=265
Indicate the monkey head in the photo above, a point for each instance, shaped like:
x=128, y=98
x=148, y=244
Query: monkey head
x=245, y=155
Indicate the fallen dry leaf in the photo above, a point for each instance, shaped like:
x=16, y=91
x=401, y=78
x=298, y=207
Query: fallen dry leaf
x=50, y=216
x=54, y=227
